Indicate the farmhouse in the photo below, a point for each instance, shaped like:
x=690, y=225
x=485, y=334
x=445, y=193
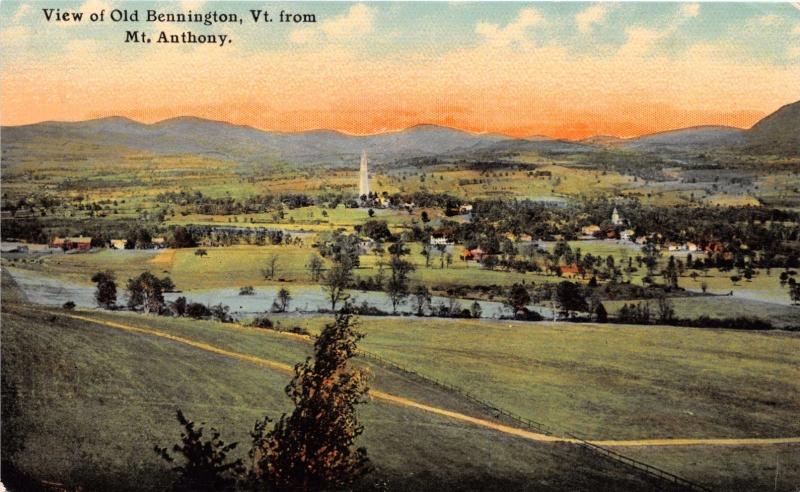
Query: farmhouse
x=440, y=240
x=590, y=230
x=476, y=254
x=69, y=243
x=118, y=243
x=159, y=242
x=570, y=271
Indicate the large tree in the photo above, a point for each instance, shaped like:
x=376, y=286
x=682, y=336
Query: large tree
x=336, y=281
x=146, y=292
x=315, y=267
x=106, y=293
x=422, y=299
x=569, y=298
x=518, y=298
x=313, y=447
x=397, y=283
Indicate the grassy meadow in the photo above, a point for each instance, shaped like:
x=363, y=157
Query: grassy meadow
x=90, y=406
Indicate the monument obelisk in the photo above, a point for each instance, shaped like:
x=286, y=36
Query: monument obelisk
x=363, y=183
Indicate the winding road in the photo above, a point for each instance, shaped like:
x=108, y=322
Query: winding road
x=405, y=402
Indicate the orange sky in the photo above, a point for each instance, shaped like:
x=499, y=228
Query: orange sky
x=506, y=80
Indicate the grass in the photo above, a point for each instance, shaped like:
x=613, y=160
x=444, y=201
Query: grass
x=623, y=381
x=724, y=307
x=92, y=401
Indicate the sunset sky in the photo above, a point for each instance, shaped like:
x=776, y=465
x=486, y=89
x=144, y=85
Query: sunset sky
x=567, y=70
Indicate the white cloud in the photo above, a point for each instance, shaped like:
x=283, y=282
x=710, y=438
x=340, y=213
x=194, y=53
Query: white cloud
x=21, y=12
x=515, y=32
x=641, y=39
x=357, y=22
x=690, y=10
x=595, y=14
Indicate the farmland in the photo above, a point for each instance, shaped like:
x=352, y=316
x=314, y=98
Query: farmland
x=513, y=294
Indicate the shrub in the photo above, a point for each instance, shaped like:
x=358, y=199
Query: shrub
x=262, y=322
x=206, y=467
x=197, y=310
x=69, y=305
x=247, y=290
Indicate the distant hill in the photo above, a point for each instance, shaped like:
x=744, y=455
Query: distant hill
x=107, y=137
x=604, y=141
x=777, y=133
x=687, y=139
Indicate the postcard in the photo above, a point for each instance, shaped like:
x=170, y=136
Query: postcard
x=399, y=246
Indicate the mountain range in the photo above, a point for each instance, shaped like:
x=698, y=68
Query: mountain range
x=778, y=133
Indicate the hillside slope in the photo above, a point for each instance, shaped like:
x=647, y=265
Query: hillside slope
x=778, y=133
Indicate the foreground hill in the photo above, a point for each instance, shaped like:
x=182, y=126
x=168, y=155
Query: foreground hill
x=94, y=424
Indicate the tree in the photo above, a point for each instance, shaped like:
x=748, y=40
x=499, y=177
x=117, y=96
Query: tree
x=145, y=291
x=221, y=313
x=601, y=316
x=397, y=283
x=371, y=213
x=271, y=267
x=666, y=313
x=424, y=217
x=281, y=302
x=167, y=285
x=336, y=281
x=315, y=267
x=426, y=252
x=313, y=447
x=704, y=286
x=376, y=229
x=422, y=299
x=794, y=293
x=475, y=309
x=570, y=298
x=518, y=298
x=670, y=273
x=182, y=238
x=106, y=293
x=206, y=467
x=201, y=252
x=178, y=306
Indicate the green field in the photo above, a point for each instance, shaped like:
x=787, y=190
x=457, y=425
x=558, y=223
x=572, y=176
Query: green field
x=91, y=405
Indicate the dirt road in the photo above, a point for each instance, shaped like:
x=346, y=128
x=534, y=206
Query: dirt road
x=398, y=400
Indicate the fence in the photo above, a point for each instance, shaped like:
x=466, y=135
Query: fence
x=530, y=424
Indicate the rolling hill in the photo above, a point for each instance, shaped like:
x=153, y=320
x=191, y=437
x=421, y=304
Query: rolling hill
x=686, y=139
x=108, y=137
x=778, y=133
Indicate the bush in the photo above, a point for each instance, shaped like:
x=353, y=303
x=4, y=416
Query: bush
x=247, y=290
x=69, y=305
x=206, y=467
x=262, y=322
x=197, y=310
